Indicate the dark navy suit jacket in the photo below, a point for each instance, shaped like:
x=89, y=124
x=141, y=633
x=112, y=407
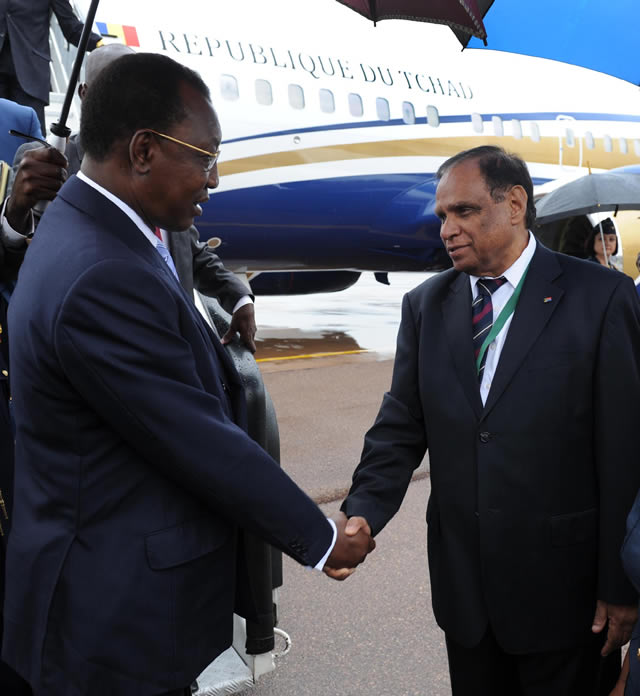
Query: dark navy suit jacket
x=133, y=467
x=530, y=492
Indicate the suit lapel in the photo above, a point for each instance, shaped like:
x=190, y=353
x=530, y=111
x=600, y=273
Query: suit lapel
x=456, y=315
x=530, y=318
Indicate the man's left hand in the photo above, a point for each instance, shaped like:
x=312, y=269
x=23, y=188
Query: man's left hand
x=243, y=321
x=621, y=620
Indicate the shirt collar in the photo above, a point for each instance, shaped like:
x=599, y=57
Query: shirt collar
x=514, y=273
x=127, y=210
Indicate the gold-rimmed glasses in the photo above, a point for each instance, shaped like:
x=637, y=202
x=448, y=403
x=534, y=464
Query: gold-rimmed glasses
x=208, y=162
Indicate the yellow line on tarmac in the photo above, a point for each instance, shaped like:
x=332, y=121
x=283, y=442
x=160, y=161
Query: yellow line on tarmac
x=313, y=355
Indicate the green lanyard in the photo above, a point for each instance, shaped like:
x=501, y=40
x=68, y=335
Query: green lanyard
x=506, y=312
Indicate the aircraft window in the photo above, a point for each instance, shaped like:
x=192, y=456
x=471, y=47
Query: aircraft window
x=327, y=102
x=408, y=113
x=355, y=104
x=498, y=128
x=382, y=109
x=296, y=96
x=589, y=140
x=229, y=87
x=571, y=141
x=608, y=143
x=478, y=125
x=433, y=117
x=516, y=128
x=624, y=149
x=636, y=145
x=264, y=95
x=535, y=132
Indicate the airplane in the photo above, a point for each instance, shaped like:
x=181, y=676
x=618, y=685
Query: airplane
x=333, y=129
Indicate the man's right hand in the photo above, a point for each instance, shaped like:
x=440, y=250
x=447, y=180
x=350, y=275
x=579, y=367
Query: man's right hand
x=353, y=544
x=41, y=173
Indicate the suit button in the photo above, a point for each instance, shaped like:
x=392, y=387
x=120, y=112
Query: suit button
x=485, y=437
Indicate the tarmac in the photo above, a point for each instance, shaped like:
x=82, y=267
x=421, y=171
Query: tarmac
x=373, y=634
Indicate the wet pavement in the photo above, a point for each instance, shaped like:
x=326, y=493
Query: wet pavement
x=363, y=317
x=373, y=635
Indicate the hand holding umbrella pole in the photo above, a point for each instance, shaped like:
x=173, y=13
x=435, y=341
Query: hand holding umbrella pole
x=59, y=131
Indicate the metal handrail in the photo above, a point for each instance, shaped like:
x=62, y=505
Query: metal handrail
x=62, y=57
x=564, y=117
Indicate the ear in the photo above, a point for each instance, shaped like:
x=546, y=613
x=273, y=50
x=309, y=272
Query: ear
x=517, y=197
x=142, y=151
x=82, y=90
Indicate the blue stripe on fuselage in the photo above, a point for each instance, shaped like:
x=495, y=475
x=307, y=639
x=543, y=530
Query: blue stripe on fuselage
x=374, y=222
x=461, y=118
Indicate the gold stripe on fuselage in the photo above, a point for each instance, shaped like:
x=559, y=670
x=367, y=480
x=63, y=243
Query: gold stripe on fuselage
x=543, y=152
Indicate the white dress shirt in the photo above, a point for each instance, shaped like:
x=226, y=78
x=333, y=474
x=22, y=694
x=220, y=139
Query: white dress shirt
x=499, y=299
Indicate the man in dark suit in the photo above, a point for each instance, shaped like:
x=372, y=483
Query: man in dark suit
x=39, y=177
x=133, y=467
x=24, y=48
x=532, y=448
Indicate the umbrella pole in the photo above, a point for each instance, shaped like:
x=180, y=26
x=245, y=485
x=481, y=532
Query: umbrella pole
x=604, y=248
x=374, y=11
x=60, y=129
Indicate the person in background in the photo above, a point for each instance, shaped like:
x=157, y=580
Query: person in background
x=12, y=251
x=593, y=245
x=11, y=257
x=24, y=48
x=14, y=116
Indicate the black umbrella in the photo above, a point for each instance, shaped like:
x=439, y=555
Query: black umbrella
x=464, y=17
x=594, y=193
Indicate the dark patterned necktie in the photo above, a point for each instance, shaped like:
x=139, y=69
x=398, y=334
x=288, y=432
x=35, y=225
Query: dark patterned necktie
x=482, y=315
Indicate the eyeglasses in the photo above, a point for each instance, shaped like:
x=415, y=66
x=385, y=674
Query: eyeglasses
x=208, y=162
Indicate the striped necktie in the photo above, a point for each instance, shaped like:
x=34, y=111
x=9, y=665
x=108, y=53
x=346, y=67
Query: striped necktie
x=482, y=315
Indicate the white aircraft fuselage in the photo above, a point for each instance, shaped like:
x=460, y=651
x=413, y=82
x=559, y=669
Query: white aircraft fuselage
x=333, y=129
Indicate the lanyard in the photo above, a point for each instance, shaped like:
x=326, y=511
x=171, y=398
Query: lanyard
x=506, y=312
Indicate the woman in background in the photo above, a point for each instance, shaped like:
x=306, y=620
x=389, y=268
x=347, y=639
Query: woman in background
x=594, y=248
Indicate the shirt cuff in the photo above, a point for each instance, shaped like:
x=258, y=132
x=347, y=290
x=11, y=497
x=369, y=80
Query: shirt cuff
x=10, y=237
x=320, y=564
x=246, y=299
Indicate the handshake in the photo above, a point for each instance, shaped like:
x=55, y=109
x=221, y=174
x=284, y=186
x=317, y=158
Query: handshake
x=353, y=544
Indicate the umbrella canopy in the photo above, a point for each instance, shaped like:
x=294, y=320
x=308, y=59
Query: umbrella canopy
x=463, y=16
x=594, y=193
x=593, y=34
